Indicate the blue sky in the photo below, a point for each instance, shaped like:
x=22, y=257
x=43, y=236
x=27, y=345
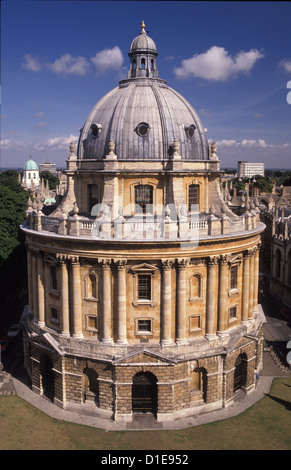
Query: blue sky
x=230, y=60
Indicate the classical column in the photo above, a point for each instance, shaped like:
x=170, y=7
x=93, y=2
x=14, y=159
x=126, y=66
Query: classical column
x=245, y=287
x=29, y=279
x=65, y=325
x=252, y=281
x=181, y=302
x=40, y=290
x=76, y=297
x=166, y=336
x=256, y=276
x=211, y=297
x=222, y=295
x=121, y=302
x=107, y=328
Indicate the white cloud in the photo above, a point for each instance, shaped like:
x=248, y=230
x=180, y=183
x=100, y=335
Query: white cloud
x=69, y=65
x=217, y=64
x=31, y=63
x=108, y=59
x=286, y=64
x=245, y=143
x=4, y=142
x=61, y=142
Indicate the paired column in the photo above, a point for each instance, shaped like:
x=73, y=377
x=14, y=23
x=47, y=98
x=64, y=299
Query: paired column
x=121, y=302
x=40, y=290
x=181, y=302
x=245, y=287
x=34, y=285
x=256, y=276
x=107, y=330
x=65, y=320
x=76, y=297
x=166, y=336
x=30, y=279
x=222, y=295
x=212, y=269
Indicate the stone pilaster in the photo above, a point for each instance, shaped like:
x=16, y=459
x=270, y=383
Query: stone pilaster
x=222, y=295
x=76, y=297
x=121, y=302
x=212, y=269
x=106, y=294
x=166, y=336
x=181, y=302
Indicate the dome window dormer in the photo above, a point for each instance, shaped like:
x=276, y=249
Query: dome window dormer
x=142, y=129
x=96, y=130
x=190, y=131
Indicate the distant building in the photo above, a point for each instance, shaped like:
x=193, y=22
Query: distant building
x=248, y=170
x=47, y=166
x=30, y=178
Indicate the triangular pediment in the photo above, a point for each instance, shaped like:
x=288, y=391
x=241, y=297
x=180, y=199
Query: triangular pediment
x=144, y=267
x=143, y=357
x=46, y=341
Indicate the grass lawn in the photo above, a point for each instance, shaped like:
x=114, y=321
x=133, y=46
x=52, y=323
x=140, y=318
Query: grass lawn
x=264, y=426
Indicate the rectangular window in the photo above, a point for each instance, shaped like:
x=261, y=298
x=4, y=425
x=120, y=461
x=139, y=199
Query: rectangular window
x=144, y=326
x=93, y=196
x=54, y=278
x=144, y=287
x=144, y=197
x=233, y=277
x=193, y=195
x=54, y=314
x=232, y=313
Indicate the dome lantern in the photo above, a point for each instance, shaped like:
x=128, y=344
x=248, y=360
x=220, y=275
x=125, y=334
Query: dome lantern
x=143, y=56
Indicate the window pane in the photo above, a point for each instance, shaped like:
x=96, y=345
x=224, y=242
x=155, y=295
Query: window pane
x=143, y=196
x=144, y=287
x=193, y=195
x=233, y=277
x=144, y=325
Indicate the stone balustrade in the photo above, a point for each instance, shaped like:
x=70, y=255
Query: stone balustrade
x=143, y=227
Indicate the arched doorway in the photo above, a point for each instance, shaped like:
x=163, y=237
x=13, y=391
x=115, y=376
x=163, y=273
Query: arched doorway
x=48, y=381
x=144, y=393
x=240, y=372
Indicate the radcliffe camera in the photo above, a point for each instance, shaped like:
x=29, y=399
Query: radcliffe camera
x=146, y=255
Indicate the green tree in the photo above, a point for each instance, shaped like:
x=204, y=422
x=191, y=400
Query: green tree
x=53, y=180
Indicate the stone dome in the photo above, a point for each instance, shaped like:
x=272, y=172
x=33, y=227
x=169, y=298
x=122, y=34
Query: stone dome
x=30, y=165
x=143, y=116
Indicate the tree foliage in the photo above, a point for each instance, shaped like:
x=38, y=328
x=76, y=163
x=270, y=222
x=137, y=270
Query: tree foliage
x=53, y=180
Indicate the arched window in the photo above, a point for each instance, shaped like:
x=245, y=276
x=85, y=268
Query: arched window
x=195, y=286
x=278, y=264
x=29, y=176
x=144, y=197
x=54, y=277
x=193, y=195
x=143, y=63
x=134, y=64
x=91, y=286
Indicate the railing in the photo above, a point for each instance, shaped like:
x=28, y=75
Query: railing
x=143, y=228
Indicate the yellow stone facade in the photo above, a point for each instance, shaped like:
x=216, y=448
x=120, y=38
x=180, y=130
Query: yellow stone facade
x=143, y=311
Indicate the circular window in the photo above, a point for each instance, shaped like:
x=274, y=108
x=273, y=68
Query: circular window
x=143, y=129
x=190, y=130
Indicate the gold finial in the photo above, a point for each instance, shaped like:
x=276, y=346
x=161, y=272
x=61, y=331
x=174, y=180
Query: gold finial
x=142, y=27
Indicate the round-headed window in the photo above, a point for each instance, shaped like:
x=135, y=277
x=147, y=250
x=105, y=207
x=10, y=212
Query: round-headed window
x=143, y=129
x=190, y=131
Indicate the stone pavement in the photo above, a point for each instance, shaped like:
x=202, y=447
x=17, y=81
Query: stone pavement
x=18, y=385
